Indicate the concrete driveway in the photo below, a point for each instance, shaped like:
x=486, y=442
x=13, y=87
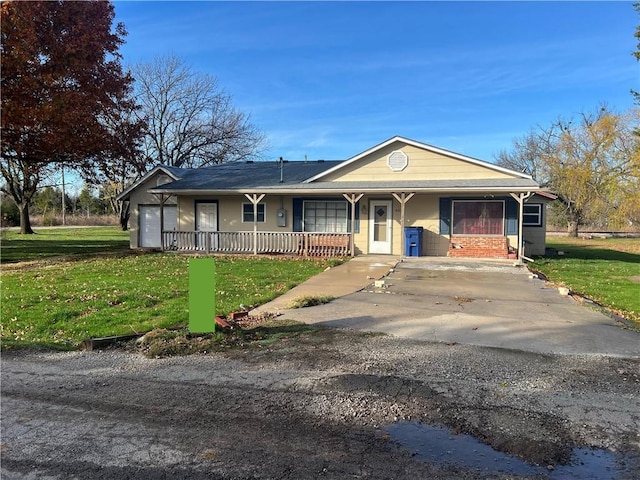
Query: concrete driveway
x=480, y=303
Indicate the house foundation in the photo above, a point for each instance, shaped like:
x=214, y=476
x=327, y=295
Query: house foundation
x=479, y=247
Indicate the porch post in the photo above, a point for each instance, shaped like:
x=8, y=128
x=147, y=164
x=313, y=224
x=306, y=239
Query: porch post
x=520, y=198
x=163, y=200
x=353, y=198
x=403, y=198
x=255, y=199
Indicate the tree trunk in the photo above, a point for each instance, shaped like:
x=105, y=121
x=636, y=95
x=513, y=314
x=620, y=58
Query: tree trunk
x=572, y=228
x=124, y=215
x=25, y=221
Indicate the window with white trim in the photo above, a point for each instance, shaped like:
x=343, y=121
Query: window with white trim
x=532, y=215
x=325, y=216
x=475, y=217
x=247, y=213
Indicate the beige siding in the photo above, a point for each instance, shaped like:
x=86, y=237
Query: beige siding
x=424, y=211
x=421, y=210
x=536, y=237
x=422, y=165
x=230, y=213
x=140, y=196
x=230, y=217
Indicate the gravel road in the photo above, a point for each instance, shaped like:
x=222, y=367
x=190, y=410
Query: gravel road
x=322, y=405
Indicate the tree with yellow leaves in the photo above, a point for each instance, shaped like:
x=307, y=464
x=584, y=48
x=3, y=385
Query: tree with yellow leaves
x=592, y=162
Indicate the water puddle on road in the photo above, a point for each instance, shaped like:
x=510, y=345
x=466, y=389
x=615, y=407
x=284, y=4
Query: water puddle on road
x=438, y=446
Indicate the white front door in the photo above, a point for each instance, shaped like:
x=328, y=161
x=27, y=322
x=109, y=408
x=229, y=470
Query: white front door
x=207, y=217
x=380, y=223
x=170, y=217
x=207, y=221
x=149, y=222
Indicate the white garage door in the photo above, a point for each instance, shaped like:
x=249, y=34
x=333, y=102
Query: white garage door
x=149, y=220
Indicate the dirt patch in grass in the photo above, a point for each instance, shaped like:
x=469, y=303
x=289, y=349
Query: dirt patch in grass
x=309, y=301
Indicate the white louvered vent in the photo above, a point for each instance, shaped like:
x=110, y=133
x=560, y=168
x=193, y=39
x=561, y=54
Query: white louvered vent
x=397, y=161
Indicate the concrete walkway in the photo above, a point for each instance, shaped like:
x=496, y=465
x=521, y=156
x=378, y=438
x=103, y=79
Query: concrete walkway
x=350, y=277
x=493, y=304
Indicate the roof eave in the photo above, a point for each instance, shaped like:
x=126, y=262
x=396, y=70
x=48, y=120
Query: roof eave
x=388, y=190
x=127, y=192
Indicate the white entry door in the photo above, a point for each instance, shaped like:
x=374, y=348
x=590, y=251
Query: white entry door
x=207, y=221
x=149, y=222
x=380, y=223
x=207, y=217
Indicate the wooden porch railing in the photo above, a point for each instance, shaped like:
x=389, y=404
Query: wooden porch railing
x=291, y=243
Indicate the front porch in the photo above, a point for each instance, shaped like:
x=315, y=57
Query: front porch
x=289, y=243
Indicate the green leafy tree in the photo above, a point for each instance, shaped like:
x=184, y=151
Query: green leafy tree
x=88, y=204
x=9, y=210
x=47, y=201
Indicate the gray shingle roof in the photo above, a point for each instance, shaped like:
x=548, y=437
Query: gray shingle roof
x=243, y=176
x=265, y=177
x=483, y=183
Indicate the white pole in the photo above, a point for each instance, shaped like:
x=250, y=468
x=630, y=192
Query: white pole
x=403, y=198
x=255, y=200
x=353, y=199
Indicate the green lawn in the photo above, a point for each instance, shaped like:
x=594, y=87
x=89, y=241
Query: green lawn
x=52, y=242
x=66, y=302
x=62, y=302
x=604, y=270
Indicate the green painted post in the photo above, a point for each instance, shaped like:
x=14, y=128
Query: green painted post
x=202, y=295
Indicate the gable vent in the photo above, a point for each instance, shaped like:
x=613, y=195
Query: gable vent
x=162, y=179
x=397, y=161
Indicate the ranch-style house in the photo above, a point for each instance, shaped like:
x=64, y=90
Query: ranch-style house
x=400, y=197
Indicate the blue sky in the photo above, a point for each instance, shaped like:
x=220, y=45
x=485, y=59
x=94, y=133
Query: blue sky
x=331, y=79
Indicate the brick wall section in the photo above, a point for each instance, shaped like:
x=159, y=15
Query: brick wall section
x=479, y=247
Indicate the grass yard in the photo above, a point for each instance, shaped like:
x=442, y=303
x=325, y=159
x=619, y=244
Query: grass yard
x=54, y=242
x=64, y=303
x=604, y=270
x=61, y=302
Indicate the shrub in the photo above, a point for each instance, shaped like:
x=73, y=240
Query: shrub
x=49, y=220
x=10, y=213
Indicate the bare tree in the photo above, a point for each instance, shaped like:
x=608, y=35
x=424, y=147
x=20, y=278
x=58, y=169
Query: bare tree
x=591, y=162
x=191, y=121
x=526, y=155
